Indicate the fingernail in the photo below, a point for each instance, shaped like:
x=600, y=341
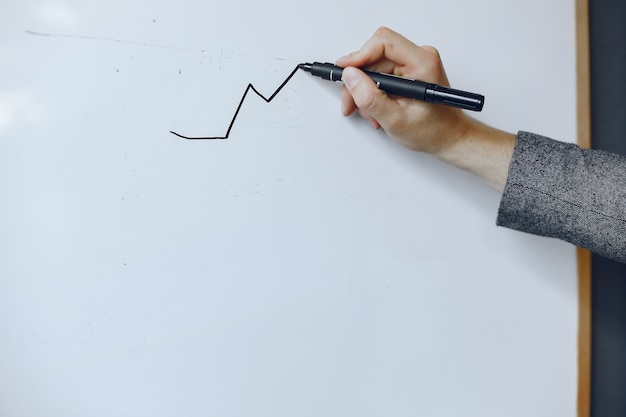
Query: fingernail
x=350, y=78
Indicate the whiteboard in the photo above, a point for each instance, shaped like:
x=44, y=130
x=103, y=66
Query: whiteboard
x=305, y=266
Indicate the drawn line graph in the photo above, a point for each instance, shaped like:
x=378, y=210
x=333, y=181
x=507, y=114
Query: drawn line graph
x=243, y=98
x=146, y=44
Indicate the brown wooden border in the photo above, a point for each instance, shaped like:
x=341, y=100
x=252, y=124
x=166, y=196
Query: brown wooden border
x=583, y=110
x=584, y=333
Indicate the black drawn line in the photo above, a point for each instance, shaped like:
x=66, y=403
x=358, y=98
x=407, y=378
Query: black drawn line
x=243, y=98
x=248, y=88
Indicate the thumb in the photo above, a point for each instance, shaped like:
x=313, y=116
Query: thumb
x=367, y=96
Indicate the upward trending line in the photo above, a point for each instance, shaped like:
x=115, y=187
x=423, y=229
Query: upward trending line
x=248, y=88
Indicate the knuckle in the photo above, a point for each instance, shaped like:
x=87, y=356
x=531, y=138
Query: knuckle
x=433, y=57
x=382, y=32
x=433, y=51
x=432, y=63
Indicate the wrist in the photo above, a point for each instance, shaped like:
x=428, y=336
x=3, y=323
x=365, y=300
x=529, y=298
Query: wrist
x=483, y=151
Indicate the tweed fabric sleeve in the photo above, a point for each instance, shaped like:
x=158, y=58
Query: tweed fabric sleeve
x=559, y=190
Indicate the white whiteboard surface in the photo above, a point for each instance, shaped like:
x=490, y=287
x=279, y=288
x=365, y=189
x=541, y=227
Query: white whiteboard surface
x=307, y=266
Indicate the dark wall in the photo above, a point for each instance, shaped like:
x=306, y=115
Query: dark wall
x=607, y=26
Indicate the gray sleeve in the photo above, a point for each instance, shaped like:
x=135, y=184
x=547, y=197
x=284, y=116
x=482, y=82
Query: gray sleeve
x=559, y=190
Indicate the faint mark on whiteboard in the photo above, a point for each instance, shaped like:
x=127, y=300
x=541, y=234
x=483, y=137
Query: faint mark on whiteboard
x=222, y=51
x=104, y=39
x=243, y=98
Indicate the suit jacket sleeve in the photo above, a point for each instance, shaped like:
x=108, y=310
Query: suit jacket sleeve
x=559, y=190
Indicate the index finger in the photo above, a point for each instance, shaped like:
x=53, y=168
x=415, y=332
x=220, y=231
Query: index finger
x=389, y=51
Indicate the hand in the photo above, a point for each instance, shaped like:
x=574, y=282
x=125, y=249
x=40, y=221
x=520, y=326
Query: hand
x=442, y=131
x=414, y=124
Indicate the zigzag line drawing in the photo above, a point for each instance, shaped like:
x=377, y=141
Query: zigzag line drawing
x=243, y=98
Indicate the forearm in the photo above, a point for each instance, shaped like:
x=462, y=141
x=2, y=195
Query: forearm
x=549, y=188
x=483, y=151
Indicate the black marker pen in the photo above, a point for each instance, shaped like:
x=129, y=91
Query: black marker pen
x=405, y=87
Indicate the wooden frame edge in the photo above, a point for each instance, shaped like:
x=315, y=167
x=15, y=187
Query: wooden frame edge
x=583, y=110
x=584, y=333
